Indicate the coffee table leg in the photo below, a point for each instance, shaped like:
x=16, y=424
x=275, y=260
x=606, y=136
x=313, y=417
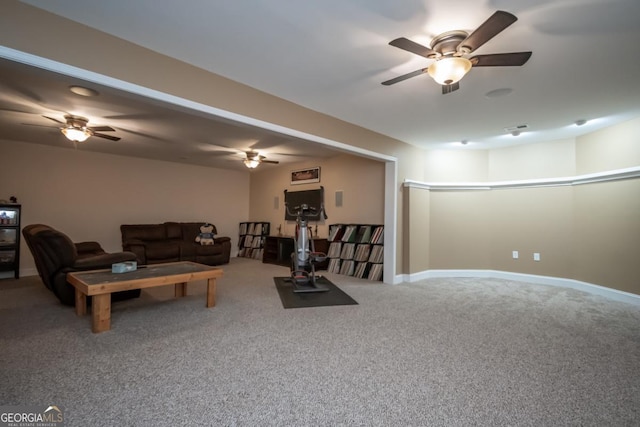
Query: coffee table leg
x=211, y=292
x=181, y=290
x=81, y=303
x=101, y=313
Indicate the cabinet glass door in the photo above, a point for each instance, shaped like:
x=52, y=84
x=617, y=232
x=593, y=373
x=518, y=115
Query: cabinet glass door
x=8, y=236
x=9, y=216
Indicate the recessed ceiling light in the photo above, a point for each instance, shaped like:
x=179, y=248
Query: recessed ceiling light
x=83, y=91
x=497, y=93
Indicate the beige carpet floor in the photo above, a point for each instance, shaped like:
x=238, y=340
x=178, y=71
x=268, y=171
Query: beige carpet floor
x=437, y=352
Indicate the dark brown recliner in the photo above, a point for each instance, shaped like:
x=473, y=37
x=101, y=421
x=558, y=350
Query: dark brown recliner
x=55, y=255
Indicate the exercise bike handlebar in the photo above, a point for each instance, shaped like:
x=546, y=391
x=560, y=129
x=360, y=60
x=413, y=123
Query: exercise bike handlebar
x=302, y=210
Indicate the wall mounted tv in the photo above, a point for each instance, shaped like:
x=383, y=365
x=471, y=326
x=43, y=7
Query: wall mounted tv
x=313, y=198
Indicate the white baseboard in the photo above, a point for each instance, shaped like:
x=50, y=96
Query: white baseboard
x=610, y=293
x=25, y=272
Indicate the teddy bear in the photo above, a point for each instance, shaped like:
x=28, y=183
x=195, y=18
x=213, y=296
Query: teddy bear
x=206, y=234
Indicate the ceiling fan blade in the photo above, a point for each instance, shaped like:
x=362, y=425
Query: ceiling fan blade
x=145, y=135
x=275, y=162
x=450, y=88
x=265, y=143
x=404, y=77
x=55, y=120
x=109, y=137
x=40, y=126
x=222, y=154
x=488, y=30
x=15, y=110
x=102, y=128
x=413, y=47
x=513, y=59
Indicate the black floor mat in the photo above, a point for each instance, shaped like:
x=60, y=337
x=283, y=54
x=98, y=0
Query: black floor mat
x=290, y=299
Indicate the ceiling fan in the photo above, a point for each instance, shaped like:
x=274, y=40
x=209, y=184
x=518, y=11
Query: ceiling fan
x=253, y=159
x=76, y=130
x=449, y=50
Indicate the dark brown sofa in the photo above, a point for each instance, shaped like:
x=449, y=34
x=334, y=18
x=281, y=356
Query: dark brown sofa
x=173, y=241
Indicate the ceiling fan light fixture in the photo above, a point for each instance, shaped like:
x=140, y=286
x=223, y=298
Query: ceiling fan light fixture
x=76, y=134
x=83, y=91
x=251, y=163
x=449, y=70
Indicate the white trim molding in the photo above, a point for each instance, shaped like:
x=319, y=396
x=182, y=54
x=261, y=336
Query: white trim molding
x=609, y=293
x=612, y=175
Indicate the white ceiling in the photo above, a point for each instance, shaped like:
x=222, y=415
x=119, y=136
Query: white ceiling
x=332, y=55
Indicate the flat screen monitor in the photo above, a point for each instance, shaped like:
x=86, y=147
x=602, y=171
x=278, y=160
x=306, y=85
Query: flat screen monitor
x=312, y=198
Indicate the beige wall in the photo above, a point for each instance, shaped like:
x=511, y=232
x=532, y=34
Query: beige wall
x=360, y=180
x=416, y=229
x=542, y=160
x=606, y=246
x=616, y=147
x=460, y=230
x=89, y=195
x=455, y=166
x=588, y=232
x=34, y=31
x=531, y=220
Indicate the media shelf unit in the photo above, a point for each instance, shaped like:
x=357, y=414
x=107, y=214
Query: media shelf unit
x=356, y=250
x=252, y=239
x=10, y=239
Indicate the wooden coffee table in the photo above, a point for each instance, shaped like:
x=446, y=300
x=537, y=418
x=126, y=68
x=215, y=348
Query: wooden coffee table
x=100, y=284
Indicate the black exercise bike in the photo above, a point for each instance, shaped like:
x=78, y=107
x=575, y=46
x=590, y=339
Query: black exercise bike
x=304, y=258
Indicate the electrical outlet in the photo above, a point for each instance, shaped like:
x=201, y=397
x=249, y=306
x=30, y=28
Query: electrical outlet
x=536, y=256
x=514, y=254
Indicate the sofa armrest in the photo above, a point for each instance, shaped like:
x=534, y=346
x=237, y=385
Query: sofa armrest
x=87, y=248
x=219, y=240
x=103, y=261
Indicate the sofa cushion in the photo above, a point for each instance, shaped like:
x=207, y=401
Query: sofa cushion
x=143, y=232
x=165, y=250
x=174, y=230
x=208, y=250
x=188, y=250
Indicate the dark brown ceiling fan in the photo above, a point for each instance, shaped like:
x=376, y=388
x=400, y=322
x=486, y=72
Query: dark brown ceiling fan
x=253, y=159
x=449, y=50
x=76, y=129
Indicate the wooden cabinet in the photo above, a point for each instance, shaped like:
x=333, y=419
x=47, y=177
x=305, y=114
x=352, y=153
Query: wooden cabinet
x=10, y=239
x=278, y=249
